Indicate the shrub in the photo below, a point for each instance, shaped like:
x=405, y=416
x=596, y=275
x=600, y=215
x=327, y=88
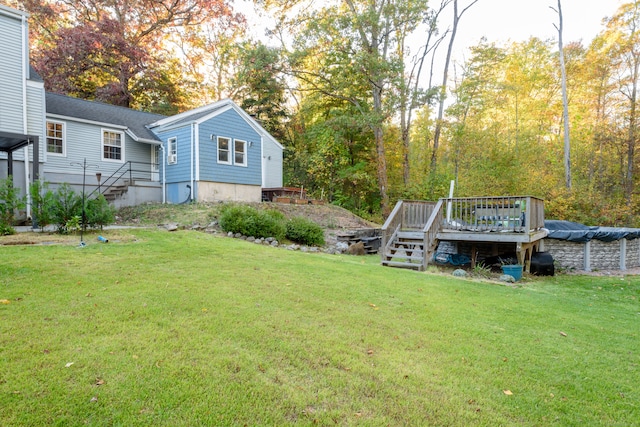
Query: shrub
x=9, y=202
x=252, y=222
x=304, y=231
x=42, y=200
x=66, y=205
x=99, y=213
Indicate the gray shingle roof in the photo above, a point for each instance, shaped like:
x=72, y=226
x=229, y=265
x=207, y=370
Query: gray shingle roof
x=135, y=121
x=33, y=75
x=195, y=116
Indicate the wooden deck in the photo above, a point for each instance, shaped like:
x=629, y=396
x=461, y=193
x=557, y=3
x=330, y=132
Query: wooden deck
x=517, y=220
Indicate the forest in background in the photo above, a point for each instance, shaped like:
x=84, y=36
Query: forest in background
x=366, y=116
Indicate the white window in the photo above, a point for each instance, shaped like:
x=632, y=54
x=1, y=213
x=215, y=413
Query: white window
x=112, y=146
x=240, y=152
x=55, y=138
x=224, y=150
x=172, y=151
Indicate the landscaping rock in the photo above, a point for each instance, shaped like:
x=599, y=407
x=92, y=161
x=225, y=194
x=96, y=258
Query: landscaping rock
x=342, y=247
x=507, y=278
x=356, y=249
x=459, y=272
x=171, y=226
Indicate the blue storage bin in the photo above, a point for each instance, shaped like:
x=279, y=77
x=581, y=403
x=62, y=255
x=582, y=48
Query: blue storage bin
x=513, y=270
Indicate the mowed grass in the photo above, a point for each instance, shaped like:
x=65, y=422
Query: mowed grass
x=186, y=329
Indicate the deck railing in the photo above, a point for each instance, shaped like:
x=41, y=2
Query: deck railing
x=504, y=213
x=431, y=229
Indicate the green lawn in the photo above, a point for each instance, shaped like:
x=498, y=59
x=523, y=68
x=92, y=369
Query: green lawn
x=186, y=329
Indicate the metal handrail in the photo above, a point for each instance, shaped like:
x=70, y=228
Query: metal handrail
x=115, y=177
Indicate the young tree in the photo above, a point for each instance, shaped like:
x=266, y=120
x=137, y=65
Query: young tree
x=259, y=86
x=622, y=36
x=565, y=102
x=445, y=80
x=345, y=47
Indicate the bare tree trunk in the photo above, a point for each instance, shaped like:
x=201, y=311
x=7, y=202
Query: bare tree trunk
x=565, y=104
x=376, y=89
x=631, y=146
x=443, y=88
x=410, y=95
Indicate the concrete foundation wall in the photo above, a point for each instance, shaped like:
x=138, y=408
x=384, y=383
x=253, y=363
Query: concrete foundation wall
x=217, y=191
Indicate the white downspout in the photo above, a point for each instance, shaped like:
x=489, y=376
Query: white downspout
x=163, y=162
x=192, y=155
x=25, y=123
x=263, y=164
x=196, y=138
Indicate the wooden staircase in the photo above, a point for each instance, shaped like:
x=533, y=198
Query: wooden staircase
x=409, y=234
x=406, y=250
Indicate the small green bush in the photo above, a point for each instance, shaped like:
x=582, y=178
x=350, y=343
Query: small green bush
x=10, y=201
x=99, y=213
x=304, y=231
x=66, y=205
x=42, y=200
x=252, y=222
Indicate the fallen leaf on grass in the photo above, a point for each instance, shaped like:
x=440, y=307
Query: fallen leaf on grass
x=507, y=392
x=68, y=365
x=5, y=301
x=94, y=399
x=99, y=381
x=564, y=334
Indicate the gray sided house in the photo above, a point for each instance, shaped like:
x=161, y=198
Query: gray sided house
x=121, y=153
x=22, y=105
x=215, y=152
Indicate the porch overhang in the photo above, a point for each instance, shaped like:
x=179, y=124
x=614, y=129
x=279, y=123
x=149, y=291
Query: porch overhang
x=10, y=142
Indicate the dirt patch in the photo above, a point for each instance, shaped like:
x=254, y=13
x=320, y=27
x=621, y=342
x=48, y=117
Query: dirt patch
x=46, y=238
x=334, y=219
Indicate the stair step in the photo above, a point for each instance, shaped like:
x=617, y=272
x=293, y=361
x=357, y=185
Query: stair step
x=395, y=248
x=418, y=257
x=411, y=235
x=402, y=265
